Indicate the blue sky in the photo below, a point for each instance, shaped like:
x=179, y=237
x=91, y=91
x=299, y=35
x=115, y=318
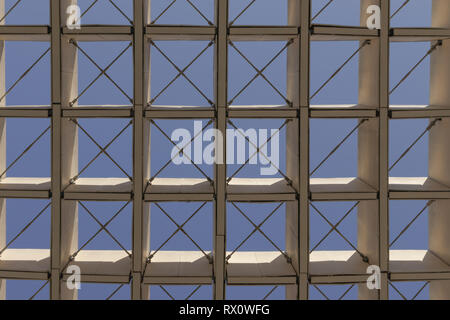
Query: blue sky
x=325, y=58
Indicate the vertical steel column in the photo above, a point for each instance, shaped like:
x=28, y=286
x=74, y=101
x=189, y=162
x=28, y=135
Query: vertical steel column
x=145, y=289
x=384, y=148
x=2, y=148
x=64, y=154
x=292, y=147
x=439, y=149
x=221, y=78
x=368, y=151
x=305, y=42
x=55, y=149
x=140, y=156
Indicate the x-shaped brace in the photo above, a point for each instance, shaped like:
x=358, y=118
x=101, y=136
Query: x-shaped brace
x=103, y=227
x=187, y=297
x=179, y=228
x=340, y=298
x=260, y=72
x=258, y=150
x=181, y=150
x=415, y=296
x=102, y=150
x=257, y=228
x=114, y=5
x=181, y=72
x=102, y=72
x=335, y=229
x=191, y=4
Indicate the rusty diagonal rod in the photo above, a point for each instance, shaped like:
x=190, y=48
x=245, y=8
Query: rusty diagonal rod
x=24, y=74
x=10, y=9
x=25, y=228
x=338, y=146
x=39, y=290
x=430, y=126
x=429, y=203
x=321, y=292
x=25, y=151
x=434, y=47
x=270, y=293
x=365, y=43
x=398, y=291
x=242, y=12
x=322, y=10
x=115, y=291
x=400, y=8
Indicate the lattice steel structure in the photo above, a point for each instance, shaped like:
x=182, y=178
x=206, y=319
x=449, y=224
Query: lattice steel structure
x=298, y=267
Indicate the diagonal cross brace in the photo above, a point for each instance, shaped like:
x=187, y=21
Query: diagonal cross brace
x=257, y=228
x=335, y=229
x=335, y=226
x=258, y=151
x=289, y=181
x=75, y=178
x=191, y=4
x=103, y=149
x=102, y=72
x=179, y=228
x=182, y=73
x=114, y=5
x=260, y=72
x=103, y=228
x=182, y=151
